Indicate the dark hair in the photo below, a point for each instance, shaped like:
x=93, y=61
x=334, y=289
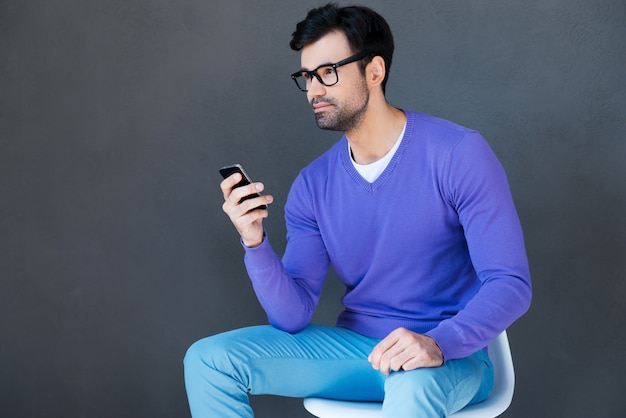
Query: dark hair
x=364, y=28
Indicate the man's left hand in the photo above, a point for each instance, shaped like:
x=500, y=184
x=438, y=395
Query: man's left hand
x=405, y=350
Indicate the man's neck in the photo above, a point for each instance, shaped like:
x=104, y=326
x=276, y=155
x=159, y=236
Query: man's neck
x=377, y=133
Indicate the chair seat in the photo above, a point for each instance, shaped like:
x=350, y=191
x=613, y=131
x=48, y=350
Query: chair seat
x=497, y=402
x=330, y=408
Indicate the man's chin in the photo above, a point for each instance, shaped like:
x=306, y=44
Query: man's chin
x=324, y=123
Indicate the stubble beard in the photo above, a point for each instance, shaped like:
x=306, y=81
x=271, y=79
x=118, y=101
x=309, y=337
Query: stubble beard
x=344, y=116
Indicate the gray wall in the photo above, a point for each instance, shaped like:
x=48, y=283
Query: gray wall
x=115, y=115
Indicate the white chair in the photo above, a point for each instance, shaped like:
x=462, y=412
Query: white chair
x=494, y=405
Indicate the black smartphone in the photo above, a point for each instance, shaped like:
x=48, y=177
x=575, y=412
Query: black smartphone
x=229, y=170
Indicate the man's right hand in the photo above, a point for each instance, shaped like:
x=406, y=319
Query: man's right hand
x=248, y=222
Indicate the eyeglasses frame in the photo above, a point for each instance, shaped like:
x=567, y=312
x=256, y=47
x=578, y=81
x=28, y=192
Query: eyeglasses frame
x=313, y=73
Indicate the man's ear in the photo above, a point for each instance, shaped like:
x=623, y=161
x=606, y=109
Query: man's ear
x=375, y=71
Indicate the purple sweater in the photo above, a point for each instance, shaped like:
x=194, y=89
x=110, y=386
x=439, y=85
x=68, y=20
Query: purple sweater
x=433, y=245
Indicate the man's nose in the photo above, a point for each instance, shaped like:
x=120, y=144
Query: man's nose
x=315, y=88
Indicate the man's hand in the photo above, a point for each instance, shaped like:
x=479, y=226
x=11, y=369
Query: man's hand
x=248, y=222
x=405, y=350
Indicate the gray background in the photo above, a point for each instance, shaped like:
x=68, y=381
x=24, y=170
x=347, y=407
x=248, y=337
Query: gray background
x=115, y=115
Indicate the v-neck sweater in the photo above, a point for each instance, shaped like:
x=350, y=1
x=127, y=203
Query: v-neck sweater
x=433, y=245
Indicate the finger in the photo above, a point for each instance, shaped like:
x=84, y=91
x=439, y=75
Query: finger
x=395, y=350
x=379, y=357
x=393, y=359
x=374, y=357
x=256, y=205
x=419, y=361
x=247, y=223
x=239, y=194
x=385, y=344
x=415, y=363
x=227, y=184
x=424, y=352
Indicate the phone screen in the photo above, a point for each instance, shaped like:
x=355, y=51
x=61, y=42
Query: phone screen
x=229, y=170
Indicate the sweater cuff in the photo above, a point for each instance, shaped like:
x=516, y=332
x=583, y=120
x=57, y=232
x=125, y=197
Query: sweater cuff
x=448, y=339
x=256, y=257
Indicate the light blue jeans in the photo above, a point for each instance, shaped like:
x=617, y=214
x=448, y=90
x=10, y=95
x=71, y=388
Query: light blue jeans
x=331, y=362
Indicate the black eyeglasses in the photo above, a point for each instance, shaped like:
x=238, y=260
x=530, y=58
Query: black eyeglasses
x=325, y=73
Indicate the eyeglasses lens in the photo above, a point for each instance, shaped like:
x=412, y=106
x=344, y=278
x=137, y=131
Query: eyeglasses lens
x=325, y=75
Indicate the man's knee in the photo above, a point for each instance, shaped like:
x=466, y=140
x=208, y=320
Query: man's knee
x=194, y=355
x=215, y=352
x=229, y=352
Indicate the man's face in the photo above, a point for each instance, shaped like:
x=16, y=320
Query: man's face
x=340, y=107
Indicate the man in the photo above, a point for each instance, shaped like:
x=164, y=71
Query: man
x=416, y=217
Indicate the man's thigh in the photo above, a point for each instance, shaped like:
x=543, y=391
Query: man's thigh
x=317, y=361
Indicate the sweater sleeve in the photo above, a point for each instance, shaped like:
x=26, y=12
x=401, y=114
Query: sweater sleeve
x=289, y=289
x=477, y=187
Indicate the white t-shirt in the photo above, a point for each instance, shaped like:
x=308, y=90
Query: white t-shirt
x=370, y=172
